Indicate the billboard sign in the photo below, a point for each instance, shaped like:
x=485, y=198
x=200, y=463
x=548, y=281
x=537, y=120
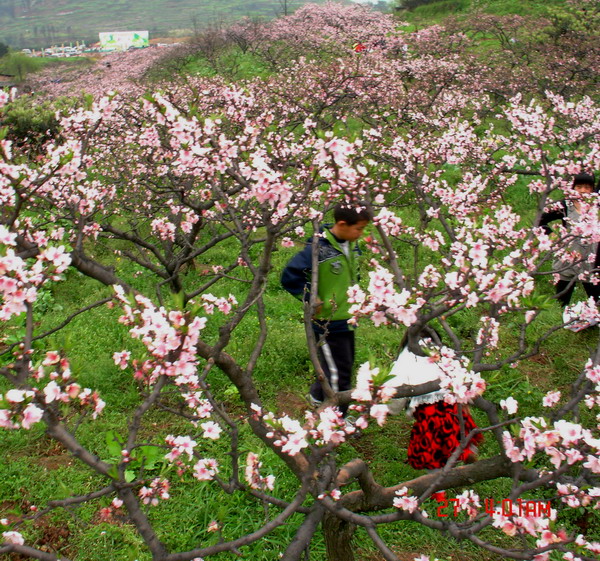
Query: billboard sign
x=123, y=40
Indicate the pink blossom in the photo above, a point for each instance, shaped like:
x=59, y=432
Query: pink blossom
x=512, y=451
x=73, y=390
x=294, y=443
x=409, y=504
x=52, y=357
x=7, y=237
x=592, y=372
x=122, y=359
x=556, y=456
x=569, y=432
x=205, y=470
x=211, y=430
x=551, y=399
x=52, y=392
x=13, y=537
x=253, y=477
x=31, y=415
x=593, y=463
x=57, y=256
x=16, y=396
x=5, y=419
x=180, y=445
x=364, y=377
x=510, y=405
x=379, y=412
x=505, y=524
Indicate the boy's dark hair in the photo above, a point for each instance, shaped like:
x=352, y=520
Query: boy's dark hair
x=351, y=213
x=585, y=179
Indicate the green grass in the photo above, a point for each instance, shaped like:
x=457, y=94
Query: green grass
x=437, y=11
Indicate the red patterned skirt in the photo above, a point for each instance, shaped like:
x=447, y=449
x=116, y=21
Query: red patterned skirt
x=436, y=435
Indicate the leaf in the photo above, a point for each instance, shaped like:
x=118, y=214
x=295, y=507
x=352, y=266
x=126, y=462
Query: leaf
x=147, y=457
x=66, y=158
x=113, y=472
x=88, y=100
x=231, y=391
x=537, y=301
x=113, y=444
x=129, y=475
x=178, y=300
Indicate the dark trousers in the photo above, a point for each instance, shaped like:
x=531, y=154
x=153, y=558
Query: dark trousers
x=336, y=357
x=564, y=291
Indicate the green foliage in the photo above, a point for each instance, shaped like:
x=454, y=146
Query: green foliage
x=579, y=18
x=146, y=459
x=441, y=8
x=118, y=541
x=31, y=123
x=4, y=48
x=19, y=65
x=226, y=60
x=426, y=12
x=412, y=4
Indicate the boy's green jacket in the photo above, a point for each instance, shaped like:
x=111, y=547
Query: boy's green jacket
x=337, y=273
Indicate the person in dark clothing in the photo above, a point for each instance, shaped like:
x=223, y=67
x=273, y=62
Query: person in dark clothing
x=338, y=270
x=570, y=209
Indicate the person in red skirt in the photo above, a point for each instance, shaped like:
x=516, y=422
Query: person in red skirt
x=436, y=432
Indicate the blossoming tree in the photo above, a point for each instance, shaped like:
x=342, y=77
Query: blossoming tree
x=198, y=185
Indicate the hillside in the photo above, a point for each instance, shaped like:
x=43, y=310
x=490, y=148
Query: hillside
x=37, y=23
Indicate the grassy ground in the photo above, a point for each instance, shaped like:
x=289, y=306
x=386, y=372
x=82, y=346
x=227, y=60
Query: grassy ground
x=439, y=10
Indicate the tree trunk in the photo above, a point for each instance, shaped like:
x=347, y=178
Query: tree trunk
x=338, y=538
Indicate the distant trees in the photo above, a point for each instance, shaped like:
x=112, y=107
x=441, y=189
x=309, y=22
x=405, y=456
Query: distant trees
x=19, y=65
x=412, y=4
x=285, y=7
x=7, y=9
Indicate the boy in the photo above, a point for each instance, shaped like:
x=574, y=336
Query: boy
x=338, y=270
x=583, y=184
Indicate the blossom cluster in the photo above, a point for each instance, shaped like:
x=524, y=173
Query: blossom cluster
x=158, y=490
x=372, y=391
x=253, y=476
x=169, y=337
x=563, y=443
x=383, y=304
x=112, y=72
x=20, y=280
x=24, y=408
x=182, y=454
x=462, y=384
x=325, y=428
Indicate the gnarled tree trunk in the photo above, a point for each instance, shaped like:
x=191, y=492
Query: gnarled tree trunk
x=338, y=538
